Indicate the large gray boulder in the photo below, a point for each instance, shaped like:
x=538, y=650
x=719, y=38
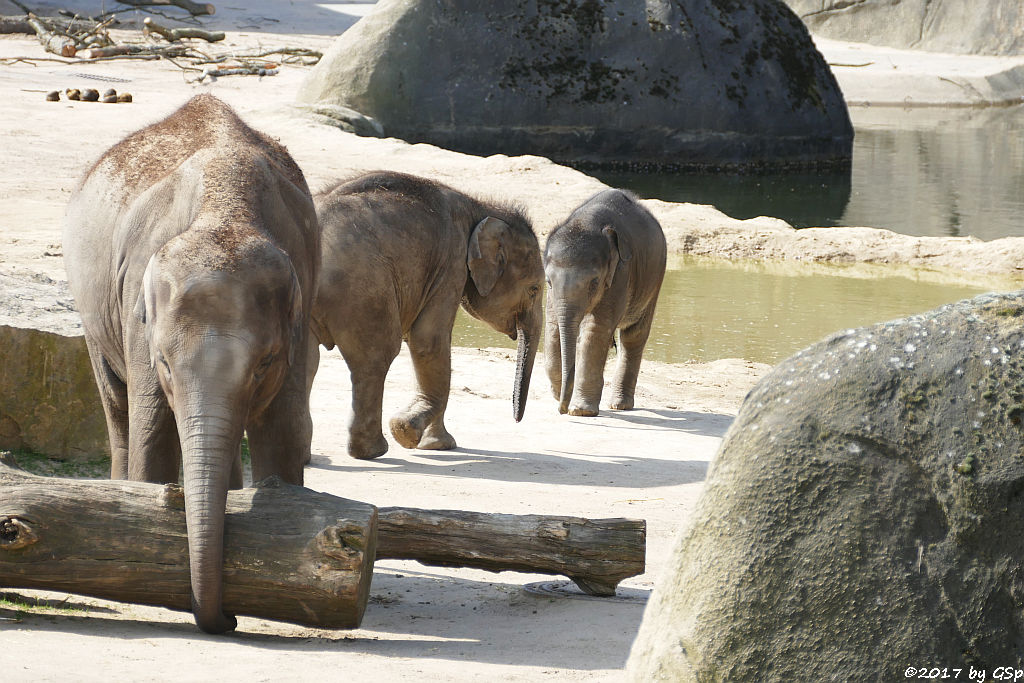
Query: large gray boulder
x=865, y=513
x=48, y=398
x=988, y=27
x=684, y=83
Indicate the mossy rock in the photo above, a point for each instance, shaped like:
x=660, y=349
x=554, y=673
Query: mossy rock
x=676, y=84
x=863, y=514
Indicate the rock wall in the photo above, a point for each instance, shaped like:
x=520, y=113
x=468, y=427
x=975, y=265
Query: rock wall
x=863, y=514
x=988, y=27
x=48, y=398
x=689, y=83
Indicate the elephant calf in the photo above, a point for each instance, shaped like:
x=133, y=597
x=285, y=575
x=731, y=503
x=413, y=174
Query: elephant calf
x=399, y=255
x=192, y=250
x=604, y=267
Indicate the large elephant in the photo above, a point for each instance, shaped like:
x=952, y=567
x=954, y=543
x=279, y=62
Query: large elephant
x=604, y=267
x=399, y=255
x=192, y=251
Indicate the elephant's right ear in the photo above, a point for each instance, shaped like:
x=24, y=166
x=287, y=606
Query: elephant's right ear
x=620, y=243
x=486, y=257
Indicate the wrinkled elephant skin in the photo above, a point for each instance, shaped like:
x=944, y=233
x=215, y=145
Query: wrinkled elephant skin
x=192, y=251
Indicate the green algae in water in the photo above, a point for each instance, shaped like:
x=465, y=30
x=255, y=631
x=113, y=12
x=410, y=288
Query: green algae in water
x=711, y=309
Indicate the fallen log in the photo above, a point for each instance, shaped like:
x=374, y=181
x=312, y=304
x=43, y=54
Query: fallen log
x=291, y=554
x=52, y=42
x=133, y=50
x=595, y=553
x=174, y=35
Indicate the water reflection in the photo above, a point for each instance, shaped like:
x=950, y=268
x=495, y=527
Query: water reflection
x=921, y=171
x=801, y=199
x=761, y=312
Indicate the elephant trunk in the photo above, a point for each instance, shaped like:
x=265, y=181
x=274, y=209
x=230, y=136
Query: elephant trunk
x=568, y=329
x=528, y=330
x=210, y=444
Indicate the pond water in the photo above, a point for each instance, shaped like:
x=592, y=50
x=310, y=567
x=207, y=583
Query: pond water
x=923, y=171
x=712, y=309
x=920, y=171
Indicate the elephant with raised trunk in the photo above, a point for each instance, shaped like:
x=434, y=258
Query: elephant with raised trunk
x=192, y=251
x=399, y=255
x=604, y=267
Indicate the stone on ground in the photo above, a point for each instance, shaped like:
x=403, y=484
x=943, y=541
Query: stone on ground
x=48, y=398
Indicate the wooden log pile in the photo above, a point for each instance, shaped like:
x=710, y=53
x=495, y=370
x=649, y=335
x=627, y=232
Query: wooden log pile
x=291, y=554
x=88, y=39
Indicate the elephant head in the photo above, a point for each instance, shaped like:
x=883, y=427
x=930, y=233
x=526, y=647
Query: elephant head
x=503, y=290
x=580, y=267
x=221, y=330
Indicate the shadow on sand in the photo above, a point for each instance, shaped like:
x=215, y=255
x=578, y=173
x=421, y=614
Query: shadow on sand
x=414, y=614
x=560, y=466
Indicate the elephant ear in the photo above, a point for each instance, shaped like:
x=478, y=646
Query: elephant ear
x=620, y=243
x=295, y=317
x=486, y=257
x=144, y=305
x=145, y=309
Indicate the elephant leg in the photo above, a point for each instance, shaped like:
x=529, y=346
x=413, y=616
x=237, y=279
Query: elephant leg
x=369, y=358
x=553, y=350
x=592, y=353
x=279, y=437
x=154, y=448
x=114, y=398
x=421, y=424
x=632, y=341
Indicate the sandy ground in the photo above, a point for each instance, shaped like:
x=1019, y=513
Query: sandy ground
x=426, y=623
x=423, y=623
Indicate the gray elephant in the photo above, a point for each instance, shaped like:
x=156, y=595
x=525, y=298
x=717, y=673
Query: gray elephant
x=399, y=255
x=192, y=251
x=604, y=267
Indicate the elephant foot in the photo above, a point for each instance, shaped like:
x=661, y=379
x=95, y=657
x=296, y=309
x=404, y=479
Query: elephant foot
x=582, y=411
x=622, y=404
x=436, y=440
x=367, y=449
x=405, y=432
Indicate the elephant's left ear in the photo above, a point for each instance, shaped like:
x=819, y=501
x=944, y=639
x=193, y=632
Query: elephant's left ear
x=144, y=305
x=295, y=318
x=486, y=256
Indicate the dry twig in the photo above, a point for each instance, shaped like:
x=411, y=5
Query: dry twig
x=173, y=35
